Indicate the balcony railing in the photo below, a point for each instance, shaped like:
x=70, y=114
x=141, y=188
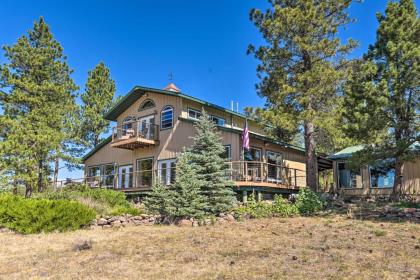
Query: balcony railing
x=260, y=173
x=243, y=173
x=126, y=181
x=135, y=134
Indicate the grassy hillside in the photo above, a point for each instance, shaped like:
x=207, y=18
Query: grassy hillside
x=332, y=247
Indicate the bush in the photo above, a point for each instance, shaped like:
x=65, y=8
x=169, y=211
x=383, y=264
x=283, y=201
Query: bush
x=103, y=201
x=283, y=208
x=42, y=215
x=309, y=202
x=254, y=209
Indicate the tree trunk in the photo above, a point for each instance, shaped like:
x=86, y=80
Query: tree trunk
x=28, y=190
x=56, y=167
x=311, y=162
x=40, y=175
x=15, y=190
x=398, y=182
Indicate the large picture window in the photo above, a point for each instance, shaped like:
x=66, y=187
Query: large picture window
x=109, y=174
x=382, y=175
x=348, y=178
x=227, y=152
x=167, y=117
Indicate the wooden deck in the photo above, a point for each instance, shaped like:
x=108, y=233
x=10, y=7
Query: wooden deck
x=134, y=143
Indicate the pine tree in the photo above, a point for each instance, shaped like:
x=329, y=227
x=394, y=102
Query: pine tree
x=97, y=100
x=302, y=67
x=211, y=167
x=188, y=199
x=161, y=200
x=382, y=97
x=38, y=95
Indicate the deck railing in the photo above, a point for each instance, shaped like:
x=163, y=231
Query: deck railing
x=135, y=129
x=262, y=172
x=238, y=171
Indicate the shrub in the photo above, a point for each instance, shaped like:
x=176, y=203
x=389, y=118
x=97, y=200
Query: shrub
x=42, y=215
x=103, y=201
x=283, y=208
x=309, y=202
x=254, y=209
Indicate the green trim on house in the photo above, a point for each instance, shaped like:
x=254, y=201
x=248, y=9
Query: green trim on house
x=138, y=91
x=97, y=147
x=346, y=153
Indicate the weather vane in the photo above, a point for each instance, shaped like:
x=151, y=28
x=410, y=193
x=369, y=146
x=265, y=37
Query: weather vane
x=171, y=77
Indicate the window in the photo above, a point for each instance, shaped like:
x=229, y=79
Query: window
x=128, y=123
x=167, y=117
x=227, y=152
x=94, y=171
x=348, y=178
x=382, y=175
x=274, y=169
x=218, y=121
x=166, y=171
x=108, y=175
x=144, y=172
x=254, y=154
x=194, y=114
x=146, y=104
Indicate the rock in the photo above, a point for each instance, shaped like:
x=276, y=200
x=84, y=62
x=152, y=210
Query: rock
x=102, y=222
x=137, y=218
x=222, y=215
x=82, y=245
x=184, y=222
x=107, y=226
x=116, y=223
x=230, y=218
x=195, y=223
x=144, y=216
x=410, y=210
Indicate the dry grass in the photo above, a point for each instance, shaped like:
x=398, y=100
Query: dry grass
x=332, y=247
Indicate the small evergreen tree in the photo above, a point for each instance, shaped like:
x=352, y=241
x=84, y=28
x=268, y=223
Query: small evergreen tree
x=211, y=167
x=161, y=200
x=189, y=201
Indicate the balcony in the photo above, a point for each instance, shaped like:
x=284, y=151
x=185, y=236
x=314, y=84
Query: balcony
x=245, y=174
x=262, y=174
x=134, y=135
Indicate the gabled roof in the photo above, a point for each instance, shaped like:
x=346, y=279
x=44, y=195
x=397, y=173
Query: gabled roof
x=138, y=91
x=346, y=153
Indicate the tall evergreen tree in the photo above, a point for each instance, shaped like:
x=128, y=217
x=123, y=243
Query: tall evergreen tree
x=97, y=100
x=38, y=94
x=382, y=97
x=206, y=154
x=189, y=200
x=302, y=66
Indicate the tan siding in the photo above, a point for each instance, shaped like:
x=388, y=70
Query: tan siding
x=172, y=141
x=231, y=120
x=411, y=183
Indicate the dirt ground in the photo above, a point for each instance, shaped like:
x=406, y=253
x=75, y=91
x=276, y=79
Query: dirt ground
x=331, y=247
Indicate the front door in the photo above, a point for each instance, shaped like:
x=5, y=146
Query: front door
x=166, y=171
x=125, y=177
x=146, y=127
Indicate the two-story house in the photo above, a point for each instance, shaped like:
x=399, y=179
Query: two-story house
x=153, y=126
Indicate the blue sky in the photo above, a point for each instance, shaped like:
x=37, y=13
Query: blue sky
x=202, y=43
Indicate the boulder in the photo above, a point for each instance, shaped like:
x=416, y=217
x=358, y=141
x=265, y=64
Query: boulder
x=230, y=218
x=184, y=222
x=102, y=222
